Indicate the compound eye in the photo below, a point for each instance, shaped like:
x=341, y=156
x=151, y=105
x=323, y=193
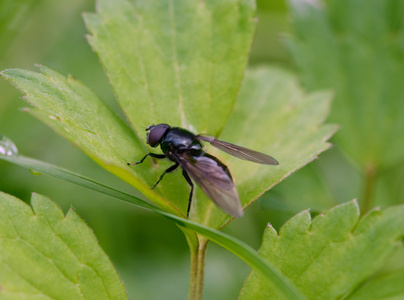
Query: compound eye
x=156, y=134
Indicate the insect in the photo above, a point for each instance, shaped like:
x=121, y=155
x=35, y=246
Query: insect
x=185, y=149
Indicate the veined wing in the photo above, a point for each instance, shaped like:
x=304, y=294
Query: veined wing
x=214, y=179
x=240, y=152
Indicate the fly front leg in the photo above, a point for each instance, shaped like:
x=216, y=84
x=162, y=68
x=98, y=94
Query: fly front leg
x=170, y=169
x=159, y=156
x=186, y=176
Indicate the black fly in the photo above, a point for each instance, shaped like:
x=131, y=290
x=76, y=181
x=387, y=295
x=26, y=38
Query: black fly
x=185, y=149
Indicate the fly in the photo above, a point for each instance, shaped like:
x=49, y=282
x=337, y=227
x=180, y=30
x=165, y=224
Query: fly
x=185, y=149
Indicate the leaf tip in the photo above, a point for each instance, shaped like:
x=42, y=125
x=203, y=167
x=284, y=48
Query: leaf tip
x=333, y=129
x=73, y=215
x=5, y=73
x=35, y=197
x=36, y=201
x=355, y=203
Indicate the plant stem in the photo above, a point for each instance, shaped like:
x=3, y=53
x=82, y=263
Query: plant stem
x=368, y=191
x=197, y=271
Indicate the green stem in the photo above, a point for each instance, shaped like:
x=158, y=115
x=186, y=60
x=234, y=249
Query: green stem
x=197, y=269
x=368, y=190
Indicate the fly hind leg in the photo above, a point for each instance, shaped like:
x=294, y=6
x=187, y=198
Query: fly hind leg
x=186, y=176
x=170, y=169
x=159, y=156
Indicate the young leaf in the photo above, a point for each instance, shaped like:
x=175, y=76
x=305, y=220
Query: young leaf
x=179, y=62
x=327, y=257
x=356, y=48
x=44, y=254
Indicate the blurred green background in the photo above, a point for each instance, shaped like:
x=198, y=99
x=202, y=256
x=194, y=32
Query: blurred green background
x=149, y=252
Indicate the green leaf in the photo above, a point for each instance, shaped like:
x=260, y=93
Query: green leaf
x=46, y=255
x=386, y=286
x=329, y=256
x=356, y=48
x=76, y=113
x=274, y=116
x=282, y=121
x=170, y=68
x=239, y=248
x=179, y=62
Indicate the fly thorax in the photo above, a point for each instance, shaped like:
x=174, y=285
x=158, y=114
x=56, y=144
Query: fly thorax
x=165, y=146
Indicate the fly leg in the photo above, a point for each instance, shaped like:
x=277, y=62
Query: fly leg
x=186, y=176
x=159, y=156
x=170, y=169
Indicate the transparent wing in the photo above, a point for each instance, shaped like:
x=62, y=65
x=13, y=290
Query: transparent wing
x=214, y=179
x=240, y=152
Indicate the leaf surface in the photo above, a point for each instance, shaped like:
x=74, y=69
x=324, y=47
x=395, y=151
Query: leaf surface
x=166, y=67
x=179, y=62
x=357, y=50
x=386, y=286
x=274, y=116
x=75, y=112
x=46, y=255
x=329, y=256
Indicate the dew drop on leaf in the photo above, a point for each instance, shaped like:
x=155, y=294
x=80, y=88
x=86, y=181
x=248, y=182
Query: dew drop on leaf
x=7, y=147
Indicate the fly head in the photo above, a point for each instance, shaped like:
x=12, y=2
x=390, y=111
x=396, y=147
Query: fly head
x=156, y=133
